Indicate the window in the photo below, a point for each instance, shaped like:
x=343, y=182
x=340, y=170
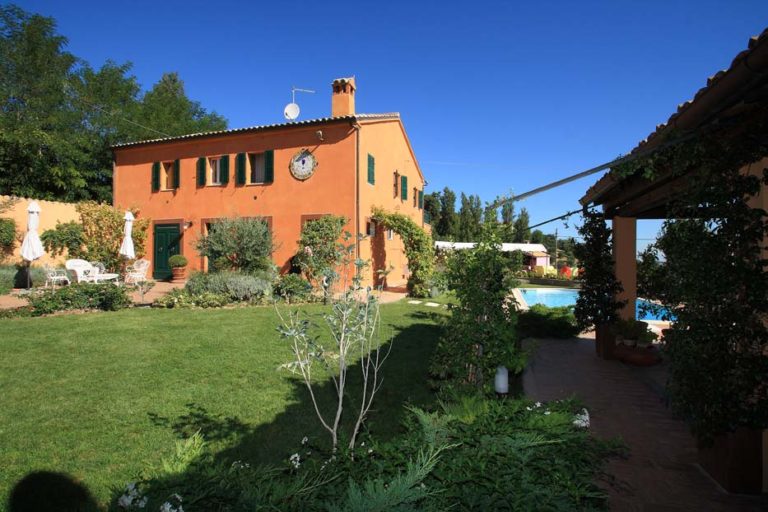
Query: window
x=169, y=175
x=415, y=196
x=397, y=182
x=370, y=228
x=404, y=188
x=390, y=234
x=371, y=170
x=257, y=172
x=214, y=164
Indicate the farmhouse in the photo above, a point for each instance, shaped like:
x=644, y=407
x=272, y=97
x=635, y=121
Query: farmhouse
x=288, y=174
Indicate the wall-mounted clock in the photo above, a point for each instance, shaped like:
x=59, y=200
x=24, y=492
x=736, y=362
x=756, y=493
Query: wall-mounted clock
x=303, y=164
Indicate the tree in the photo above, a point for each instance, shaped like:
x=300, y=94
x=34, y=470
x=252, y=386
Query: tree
x=167, y=108
x=521, y=231
x=433, y=208
x=507, y=219
x=491, y=214
x=59, y=116
x=238, y=243
x=470, y=218
x=446, y=226
x=537, y=237
x=319, y=249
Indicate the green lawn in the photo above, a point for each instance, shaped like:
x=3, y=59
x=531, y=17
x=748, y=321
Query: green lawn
x=100, y=396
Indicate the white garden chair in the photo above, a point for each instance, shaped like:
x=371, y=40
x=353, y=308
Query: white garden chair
x=54, y=276
x=137, y=272
x=89, y=272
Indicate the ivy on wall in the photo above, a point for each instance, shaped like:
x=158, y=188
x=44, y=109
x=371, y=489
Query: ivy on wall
x=418, y=249
x=714, y=278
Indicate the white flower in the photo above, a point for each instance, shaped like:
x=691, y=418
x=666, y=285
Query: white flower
x=304, y=441
x=547, y=413
x=528, y=409
x=125, y=501
x=537, y=404
x=142, y=502
x=295, y=460
x=582, y=420
x=167, y=507
x=362, y=444
x=370, y=450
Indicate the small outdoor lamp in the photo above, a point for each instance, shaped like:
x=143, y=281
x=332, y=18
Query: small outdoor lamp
x=501, y=382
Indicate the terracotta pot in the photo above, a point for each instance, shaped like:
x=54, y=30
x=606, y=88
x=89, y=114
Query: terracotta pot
x=605, y=341
x=735, y=460
x=179, y=274
x=636, y=356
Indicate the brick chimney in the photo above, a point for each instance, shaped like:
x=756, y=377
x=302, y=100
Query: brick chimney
x=343, y=97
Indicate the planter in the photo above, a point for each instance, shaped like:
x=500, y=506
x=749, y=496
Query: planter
x=605, y=341
x=179, y=274
x=735, y=460
x=636, y=356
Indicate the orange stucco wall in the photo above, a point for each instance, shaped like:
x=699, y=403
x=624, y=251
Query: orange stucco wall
x=51, y=213
x=331, y=190
x=387, y=142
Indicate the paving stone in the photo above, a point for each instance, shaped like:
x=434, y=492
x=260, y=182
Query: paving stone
x=431, y=304
x=660, y=473
x=414, y=302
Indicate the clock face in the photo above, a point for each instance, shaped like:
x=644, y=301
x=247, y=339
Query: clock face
x=303, y=165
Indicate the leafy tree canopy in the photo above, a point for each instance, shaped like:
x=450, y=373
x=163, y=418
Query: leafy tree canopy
x=59, y=116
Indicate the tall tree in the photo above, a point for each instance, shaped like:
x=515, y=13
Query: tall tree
x=470, y=218
x=491, y=214
x=59, y=117
x=521, y=231
x=167, y=108
x=432, y=208
x=507, y=212
x=447, y=225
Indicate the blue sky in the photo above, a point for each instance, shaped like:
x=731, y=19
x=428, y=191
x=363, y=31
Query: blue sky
x=496, y=97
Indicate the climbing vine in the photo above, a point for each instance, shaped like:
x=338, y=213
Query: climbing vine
x=418, y=249
x=714, y=278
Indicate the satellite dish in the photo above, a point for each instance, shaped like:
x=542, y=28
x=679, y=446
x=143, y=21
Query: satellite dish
x=291, y=111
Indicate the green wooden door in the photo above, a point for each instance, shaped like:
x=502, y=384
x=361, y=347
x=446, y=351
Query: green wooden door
x=167, y=238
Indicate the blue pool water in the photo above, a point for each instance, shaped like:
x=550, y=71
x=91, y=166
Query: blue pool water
x=554, y=297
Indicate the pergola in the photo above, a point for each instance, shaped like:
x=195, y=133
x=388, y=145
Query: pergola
x=730, y=99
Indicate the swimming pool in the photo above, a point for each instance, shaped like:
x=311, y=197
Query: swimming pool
x=555, y=297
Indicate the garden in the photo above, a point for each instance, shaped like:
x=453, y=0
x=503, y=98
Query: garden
x=334, y=403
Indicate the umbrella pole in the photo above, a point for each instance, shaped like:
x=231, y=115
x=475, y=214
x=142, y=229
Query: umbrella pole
x=29, y=276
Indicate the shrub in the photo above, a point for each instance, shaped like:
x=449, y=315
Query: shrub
x=293, y=288
x=236, y=286
x=177, y=261
x=15, y=276
x=7, y=234
x=543, y=322
x=475, y=454
x=239, y=243
x=106, y=297
x=67, y=236
x=319, y=249
x=182, y=298
x=597, y=304
x=103, y=233
x=480, y=334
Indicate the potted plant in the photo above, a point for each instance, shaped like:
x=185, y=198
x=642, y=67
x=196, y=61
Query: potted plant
x=178, y=264
x=597, y=307
x=634, y=343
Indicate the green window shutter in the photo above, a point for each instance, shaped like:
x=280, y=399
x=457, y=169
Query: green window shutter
x=224, y=168
x=404, y=188
x=421, y=199
x=176, y=173
x=371, y=170
x=201, y=165
x=240, y=169
x=155, y=176
x=269, y=166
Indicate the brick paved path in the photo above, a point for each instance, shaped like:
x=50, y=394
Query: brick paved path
x=660, y=473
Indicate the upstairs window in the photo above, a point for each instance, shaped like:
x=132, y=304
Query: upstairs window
x=166, y=175
x=371, y=170
x=257, y=169
x=214, y=165
x=415, y=196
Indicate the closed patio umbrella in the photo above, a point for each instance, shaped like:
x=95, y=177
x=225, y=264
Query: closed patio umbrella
x=31, y=247
x=126, y=248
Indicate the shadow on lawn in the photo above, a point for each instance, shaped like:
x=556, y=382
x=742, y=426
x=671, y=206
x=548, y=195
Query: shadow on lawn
x=46, y=490
x=405, y=381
